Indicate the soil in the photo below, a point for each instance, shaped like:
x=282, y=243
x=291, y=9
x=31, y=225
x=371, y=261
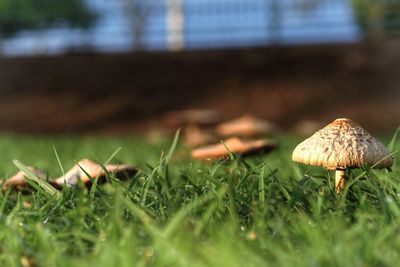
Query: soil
x=128, y=93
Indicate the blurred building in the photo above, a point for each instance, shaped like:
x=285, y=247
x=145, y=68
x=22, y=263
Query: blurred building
x=126, y=25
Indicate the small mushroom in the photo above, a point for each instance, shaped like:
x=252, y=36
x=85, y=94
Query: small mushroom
x=234, y=145
x=342, y=145
x=18, y=180
x=246, y=126
x=80, y=171
x=86, y=167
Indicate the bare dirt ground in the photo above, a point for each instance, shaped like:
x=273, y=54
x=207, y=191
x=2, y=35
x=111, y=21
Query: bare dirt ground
x=126, y=93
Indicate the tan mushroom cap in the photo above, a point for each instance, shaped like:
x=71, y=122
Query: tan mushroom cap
x=235, y=145
x=342, y=144
x=80, y=171
x=246, y=126
x=18, y=180
x=86, y=167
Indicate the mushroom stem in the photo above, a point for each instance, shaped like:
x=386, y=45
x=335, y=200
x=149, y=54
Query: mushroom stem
x=340, y=180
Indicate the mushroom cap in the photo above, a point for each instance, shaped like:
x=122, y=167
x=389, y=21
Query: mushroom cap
x=342, y=144
x=80, y=171
x=235, y=145
x=86, y=167
x=18, y=180
x=246, y=126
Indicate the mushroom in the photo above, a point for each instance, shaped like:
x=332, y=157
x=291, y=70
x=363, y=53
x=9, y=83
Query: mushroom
x=245, y=126
x=342, y=145
x=80, y=171
x=234, y=145
x=18, y=180
x=86, y=170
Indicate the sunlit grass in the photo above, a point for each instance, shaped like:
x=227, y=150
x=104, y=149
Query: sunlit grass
x=259, y=211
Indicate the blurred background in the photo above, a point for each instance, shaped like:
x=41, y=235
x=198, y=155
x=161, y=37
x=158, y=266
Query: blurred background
x=122, y=66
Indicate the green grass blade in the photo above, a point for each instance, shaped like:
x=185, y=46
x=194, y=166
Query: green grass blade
x=48, y=188
x=173, y=146
x=231, y=155
x=59, y=161
x=112, y=155
x=176, y=221
x=4, y=200
x=261, y=188
x=390, y=155
x=205, y=219
x=392, y=143
x=142, y=216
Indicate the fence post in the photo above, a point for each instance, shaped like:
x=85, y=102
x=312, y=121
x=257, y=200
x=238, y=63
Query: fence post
x=175, y=25
x=275, y=22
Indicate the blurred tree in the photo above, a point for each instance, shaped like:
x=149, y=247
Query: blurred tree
x=17, y=15
x=378, y=17
x=375, y=17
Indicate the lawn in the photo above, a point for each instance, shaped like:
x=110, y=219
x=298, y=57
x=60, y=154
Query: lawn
x=258, y=211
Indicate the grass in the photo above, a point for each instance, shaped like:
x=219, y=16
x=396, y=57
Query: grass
x=259, y=211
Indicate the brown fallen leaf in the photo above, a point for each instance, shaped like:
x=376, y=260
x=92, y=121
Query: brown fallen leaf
x=86, y=167
x=246, y=126
x=194, y=136
x=235, y=145
x=18, y=180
